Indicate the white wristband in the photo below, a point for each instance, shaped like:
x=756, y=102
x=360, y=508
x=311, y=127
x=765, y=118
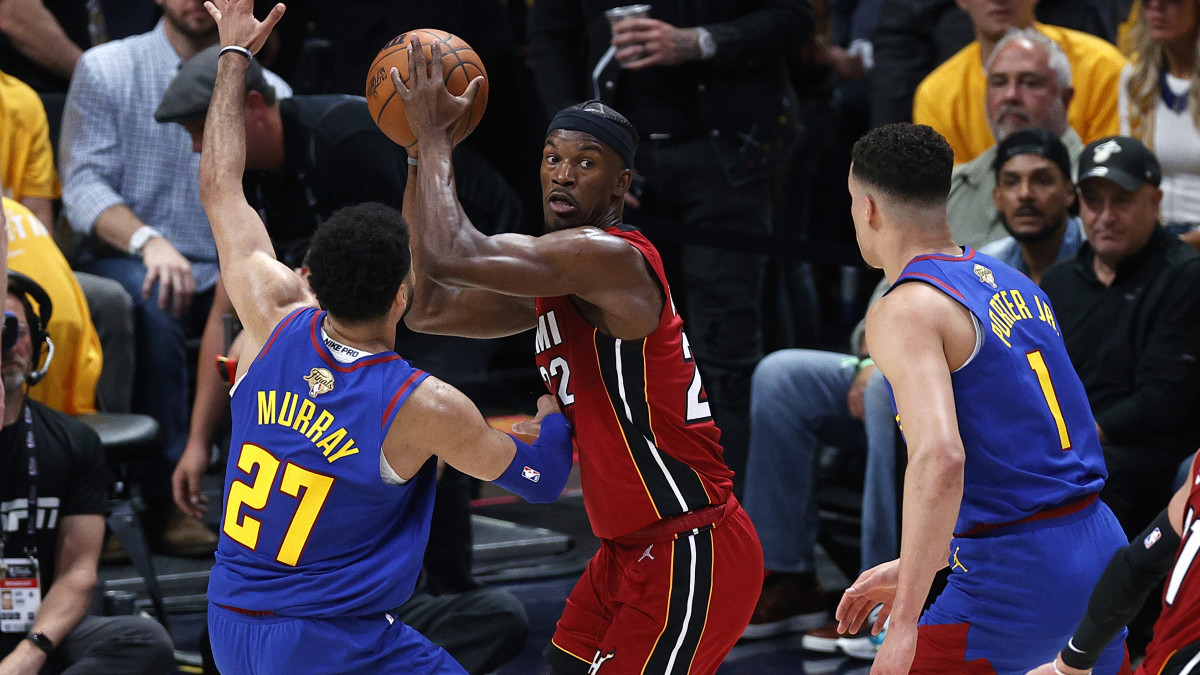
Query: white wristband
x=140, y=236
x=237, y=49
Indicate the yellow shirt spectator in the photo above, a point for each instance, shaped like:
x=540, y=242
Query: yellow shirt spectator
x=951, y=98
x=26, y=158
x=70, y=383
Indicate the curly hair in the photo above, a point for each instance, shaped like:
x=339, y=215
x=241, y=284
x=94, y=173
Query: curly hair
x=907, y=162
x=1149, y=60
x=358, y=259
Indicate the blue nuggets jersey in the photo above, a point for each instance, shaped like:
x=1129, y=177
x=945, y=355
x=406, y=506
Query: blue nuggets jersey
x=309, y=528
x=1023, y=414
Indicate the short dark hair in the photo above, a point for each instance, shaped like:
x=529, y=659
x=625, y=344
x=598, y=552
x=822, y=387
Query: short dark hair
x=909, y=162
x=358, y=259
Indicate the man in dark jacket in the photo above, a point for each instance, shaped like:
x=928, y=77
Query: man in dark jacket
x=705, y=85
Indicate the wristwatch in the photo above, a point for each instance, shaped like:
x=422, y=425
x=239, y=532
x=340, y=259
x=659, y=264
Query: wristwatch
x=708, y=46
x=41, y=641
x=140, y=237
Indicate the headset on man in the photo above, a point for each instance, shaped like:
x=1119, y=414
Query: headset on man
x=30, y=293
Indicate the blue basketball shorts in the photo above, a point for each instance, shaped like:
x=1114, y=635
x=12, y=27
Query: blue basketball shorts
x=1015, y=596
x=268, y=645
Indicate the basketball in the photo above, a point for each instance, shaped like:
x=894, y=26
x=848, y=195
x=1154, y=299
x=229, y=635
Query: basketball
x=460, y=65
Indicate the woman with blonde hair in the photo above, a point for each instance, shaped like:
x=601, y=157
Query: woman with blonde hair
x=1160, y=104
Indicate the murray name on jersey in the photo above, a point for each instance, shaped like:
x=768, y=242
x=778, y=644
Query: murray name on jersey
x=310, y=420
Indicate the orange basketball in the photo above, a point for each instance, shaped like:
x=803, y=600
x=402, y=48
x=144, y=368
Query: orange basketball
x=460, y=65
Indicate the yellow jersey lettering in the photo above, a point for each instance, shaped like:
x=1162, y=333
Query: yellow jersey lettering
x=307, y=408
x=320, y=426
x=1000, y=328
x=287, y=411
x=346, y=450
x=266, y=407
x=1022, y=308
x=331, y=441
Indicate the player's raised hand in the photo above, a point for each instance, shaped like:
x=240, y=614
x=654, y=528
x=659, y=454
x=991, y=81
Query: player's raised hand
x=547, y=405
x=431, y=109
x=236, y=23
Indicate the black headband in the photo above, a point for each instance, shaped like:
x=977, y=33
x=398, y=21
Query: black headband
x=608, y=132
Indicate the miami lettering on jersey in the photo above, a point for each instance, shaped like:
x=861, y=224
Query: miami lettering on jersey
x=273, y=409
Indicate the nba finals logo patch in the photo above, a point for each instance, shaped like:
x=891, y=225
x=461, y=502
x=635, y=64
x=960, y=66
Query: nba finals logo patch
x=320, y=381
x=1152, y=538
x=985, y=275
x=532, y=475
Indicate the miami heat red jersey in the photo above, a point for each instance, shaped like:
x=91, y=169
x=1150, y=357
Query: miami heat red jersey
x=648, y=448
x=1179, y=623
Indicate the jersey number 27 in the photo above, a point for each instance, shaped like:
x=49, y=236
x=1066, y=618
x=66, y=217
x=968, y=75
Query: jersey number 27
x=245, y=529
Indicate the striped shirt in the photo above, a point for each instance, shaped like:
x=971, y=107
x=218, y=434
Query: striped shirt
x=113, y=151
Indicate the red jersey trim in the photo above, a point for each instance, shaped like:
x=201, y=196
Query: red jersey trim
x=332, y=362
x=279, y=329
x=400, y=393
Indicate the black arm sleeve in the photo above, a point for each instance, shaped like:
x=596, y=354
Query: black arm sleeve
x=1122, y=590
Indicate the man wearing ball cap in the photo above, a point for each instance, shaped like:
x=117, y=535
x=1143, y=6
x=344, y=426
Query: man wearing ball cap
x=612, y=348
x=1130, y=316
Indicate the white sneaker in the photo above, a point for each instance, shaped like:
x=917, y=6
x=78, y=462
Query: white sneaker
x=864, y=647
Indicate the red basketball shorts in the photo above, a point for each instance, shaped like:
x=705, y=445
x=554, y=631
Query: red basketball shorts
x=673, y=607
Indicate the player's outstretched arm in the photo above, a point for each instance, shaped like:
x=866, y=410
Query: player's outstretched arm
x=1123, y=588
x=909, y=332
x=602, y=270
x=439, y=420
x=451, y=310
x=262, y=289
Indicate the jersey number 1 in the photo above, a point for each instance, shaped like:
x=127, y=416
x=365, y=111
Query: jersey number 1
x=245, y=530
x=1038, y=364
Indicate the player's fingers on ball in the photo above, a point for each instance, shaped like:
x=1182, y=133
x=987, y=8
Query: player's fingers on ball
x=435, y=62
x=416, y=61
x=472, y=89
x=398, y=82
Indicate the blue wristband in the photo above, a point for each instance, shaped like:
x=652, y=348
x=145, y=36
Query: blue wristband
x=539, y=472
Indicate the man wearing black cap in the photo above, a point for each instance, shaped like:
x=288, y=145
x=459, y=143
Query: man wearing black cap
x=611, y=347
x=1130, y=315
x=1033, y=196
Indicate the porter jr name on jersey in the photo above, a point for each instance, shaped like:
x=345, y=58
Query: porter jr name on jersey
x=1007, y=307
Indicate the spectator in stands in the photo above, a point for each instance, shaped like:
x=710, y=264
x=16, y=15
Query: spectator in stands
x=1160, y=105
x=69, y=383
x=1028, y=86
x=27, y=168
x=27, y=175
x=913, y=37
x=715, y=132
x=70, y=500
x=1130, y=315
x=950, y=99
x=41, y=42
x=800, y=401
x=131, y=186
x=1034, y=194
